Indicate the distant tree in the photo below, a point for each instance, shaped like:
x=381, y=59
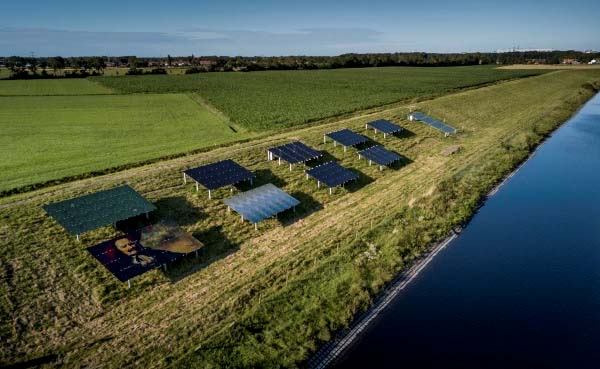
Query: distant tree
x=169, y=60
x=132, y=62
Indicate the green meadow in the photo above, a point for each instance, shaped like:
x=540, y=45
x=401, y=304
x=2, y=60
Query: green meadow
x=277, y=99
x=50, y=137
x=52, y=87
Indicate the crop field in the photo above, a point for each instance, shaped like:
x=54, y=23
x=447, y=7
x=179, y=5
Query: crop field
x=276, y=99
x=265, y=298
x=50, y=137
x=47, y=87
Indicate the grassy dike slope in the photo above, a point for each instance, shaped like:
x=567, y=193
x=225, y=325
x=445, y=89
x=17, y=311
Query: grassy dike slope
x=265, y=298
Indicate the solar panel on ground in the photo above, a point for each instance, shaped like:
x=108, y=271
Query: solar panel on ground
x=294, y=152
x=98, y=209
x=384, y=126
x=219, y=174
x=432, y=122
x=380, y=155
x=261, y=203
x=346, y=137
x=332, y=174
x=140, y=251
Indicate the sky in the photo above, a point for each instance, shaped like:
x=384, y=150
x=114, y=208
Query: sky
x=272, y=28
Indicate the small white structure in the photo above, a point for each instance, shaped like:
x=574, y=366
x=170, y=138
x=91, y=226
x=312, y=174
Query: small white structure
x=593, y=61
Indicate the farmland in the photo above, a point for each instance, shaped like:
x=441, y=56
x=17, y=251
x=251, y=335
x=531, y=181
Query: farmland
x=266, y=298
x=78, y=129
x=51, y=87
x=278, y=99
x=49, y=137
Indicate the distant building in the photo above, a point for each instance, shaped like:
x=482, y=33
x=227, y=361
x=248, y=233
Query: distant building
x=206, y=62
x=536, y=61
x=570, y=61
x=593, y=61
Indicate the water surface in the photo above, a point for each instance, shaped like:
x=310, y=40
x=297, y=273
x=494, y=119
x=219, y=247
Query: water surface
x=520, y=288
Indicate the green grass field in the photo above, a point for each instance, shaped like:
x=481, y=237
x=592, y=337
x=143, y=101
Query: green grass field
x=52, y=87
x=276, y=99
x=50, y=137
x=265, y=298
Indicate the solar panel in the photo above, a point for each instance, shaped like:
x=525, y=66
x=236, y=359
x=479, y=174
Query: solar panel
x=433, y=122
x=140, y=251
x=261, y=203
x=219, y=174
x=384, y=126
x=294, y=152
x=98, y=209
x=332, y=174
x=379, y=155
x=346, y=137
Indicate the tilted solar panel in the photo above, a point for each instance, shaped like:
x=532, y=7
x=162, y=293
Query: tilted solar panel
x=219, y=174
x=433, y=122
x=346, y=137
x=98, y=209
x=384, y=126
x=332, y=174
x=379, y=155
x=295, y=152
x=261, y=203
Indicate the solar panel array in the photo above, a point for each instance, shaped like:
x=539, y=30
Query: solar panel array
x=385, y=126
x=295, y=152
x=346, y=137
x=332, y=174
x=220, y=174
x=261, y=202
x=433, y=122
x=98, y=209
x=379, y=155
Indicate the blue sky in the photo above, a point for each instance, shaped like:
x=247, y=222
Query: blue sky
x=183, y=27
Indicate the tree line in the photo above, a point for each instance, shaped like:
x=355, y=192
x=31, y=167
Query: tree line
x=28, y=67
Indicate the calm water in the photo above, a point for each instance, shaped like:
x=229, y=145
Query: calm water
x=520, y=288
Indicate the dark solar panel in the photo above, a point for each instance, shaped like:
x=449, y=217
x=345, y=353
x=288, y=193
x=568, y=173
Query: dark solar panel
x=379, y=155
x=384, y=126
x=346, y=137
x=332, y=174
x=433, y=122
x=140, y=251
x=98, y=209
x=220, y=174
x=261, y=203
x=295, y=152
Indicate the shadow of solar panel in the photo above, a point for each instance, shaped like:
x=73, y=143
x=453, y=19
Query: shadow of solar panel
x=385, y=126
x=332, y=174
x=347, y=137
x=379, y=155
x=433, y=122
x=261, y=203
x=98, y=209
x=219, y=174
x=295, y=152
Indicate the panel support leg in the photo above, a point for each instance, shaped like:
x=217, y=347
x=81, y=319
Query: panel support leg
x=290, y=167
x=197, y=187
x=77, y=236
x=318, y=184
x=209, y=195
x=279, y=160
x=345, y=148
x=128, y=284
x=147, y=216
x=380, y=168
x=184, y=178
x=369, y=162
x=330, y=190
x=256, y=226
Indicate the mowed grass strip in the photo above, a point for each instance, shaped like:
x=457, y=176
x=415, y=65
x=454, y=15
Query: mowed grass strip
x=51, y=137
x=264, y=298
x=276, y=99
x=52, y=87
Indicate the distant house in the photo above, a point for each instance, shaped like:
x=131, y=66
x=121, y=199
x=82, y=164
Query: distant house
x=206, y=62
x=570, y=61
x=536, y=61
x=593, y=61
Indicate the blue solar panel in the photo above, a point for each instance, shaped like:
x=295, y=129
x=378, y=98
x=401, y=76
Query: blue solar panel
x=295, y=152
x=384, y=126
x=332, y=174
x=379, y=155
x=220, y=174
x=433, y=122
x=261, y=203
x=346, y=137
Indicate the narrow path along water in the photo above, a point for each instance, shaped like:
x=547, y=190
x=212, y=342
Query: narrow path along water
x=520, y=287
